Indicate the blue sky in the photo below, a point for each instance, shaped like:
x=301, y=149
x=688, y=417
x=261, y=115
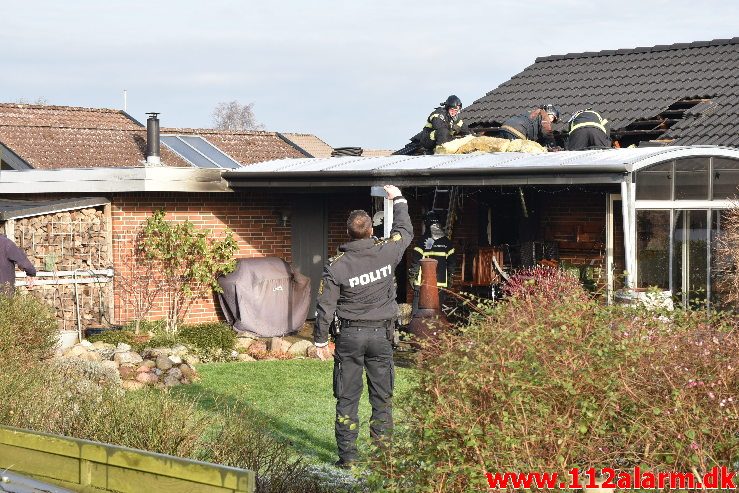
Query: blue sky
x=353, y=73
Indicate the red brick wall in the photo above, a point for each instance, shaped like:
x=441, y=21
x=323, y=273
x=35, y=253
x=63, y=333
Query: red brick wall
x=251, y=217
x=577, y=220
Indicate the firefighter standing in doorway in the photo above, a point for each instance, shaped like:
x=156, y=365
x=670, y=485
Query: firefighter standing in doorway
x=358, y=285
x=436, y=245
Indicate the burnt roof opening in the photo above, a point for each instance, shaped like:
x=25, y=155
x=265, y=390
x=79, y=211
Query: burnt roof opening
x=652, y=130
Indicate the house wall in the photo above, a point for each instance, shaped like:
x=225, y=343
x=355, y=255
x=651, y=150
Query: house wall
x=251, y=216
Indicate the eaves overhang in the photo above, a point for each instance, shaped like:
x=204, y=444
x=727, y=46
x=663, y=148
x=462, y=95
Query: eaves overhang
x=111, y=180
x=602, y=166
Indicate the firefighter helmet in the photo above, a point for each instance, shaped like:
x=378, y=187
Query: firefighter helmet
x=430, y=218
x=552, y=110
x=453, y=102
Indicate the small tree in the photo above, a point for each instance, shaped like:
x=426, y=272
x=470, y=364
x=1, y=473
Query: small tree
x=235, y=116
x=140, y=284
x=190, y=261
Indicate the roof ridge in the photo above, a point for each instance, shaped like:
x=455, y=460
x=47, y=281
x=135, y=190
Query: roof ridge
x=139, y=129
x=215, y=131
x=58, y=107
x=642, y=49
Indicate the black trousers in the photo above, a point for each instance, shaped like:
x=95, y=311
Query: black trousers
x=357, y=349
x=587, y=137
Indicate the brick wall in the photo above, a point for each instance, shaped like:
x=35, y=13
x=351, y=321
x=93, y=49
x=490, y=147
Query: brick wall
x=251, y=217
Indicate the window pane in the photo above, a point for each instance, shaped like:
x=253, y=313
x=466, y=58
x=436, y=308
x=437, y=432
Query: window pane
x=655, y=182
x=690, y=256
x=653, y=248
x=691, y=179
x=725, y=178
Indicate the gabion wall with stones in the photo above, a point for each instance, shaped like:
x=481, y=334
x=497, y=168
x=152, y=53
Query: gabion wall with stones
x=70, y=241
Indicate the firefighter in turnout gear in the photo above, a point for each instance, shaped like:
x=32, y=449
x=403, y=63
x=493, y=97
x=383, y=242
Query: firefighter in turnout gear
x=587, y=130
x=443, y=125
x=358, y=286
x=436, y=245
x=536, y=126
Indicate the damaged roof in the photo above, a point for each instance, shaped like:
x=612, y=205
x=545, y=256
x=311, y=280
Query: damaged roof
x=48, y=137
x=680, y=94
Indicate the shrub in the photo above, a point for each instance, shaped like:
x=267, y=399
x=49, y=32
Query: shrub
x=43, y=398
x=153, y=327
x=28, y=329
x=545, y=283
x=211, y=341
x=549, y=382
x=114, y=337
x=242, y=444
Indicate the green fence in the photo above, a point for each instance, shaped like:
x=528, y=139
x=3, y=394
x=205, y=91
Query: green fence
x=86, y=466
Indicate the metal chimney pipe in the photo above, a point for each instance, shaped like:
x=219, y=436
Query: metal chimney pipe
x=152, y=139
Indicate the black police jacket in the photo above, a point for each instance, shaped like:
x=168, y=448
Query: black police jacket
x=358, y=283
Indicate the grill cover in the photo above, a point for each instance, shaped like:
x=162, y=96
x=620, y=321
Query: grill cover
x=265, y=296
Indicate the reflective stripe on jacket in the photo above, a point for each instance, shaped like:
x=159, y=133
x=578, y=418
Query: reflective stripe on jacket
x=588, y=118
x=442, y=251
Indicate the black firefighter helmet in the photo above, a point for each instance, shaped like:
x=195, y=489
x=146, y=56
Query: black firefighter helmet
x=453, y=102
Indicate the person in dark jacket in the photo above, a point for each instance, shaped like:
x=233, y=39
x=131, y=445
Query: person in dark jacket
x=358, y=287
x=587, y=130
x=536, y=126
x=10, y=256
x=436, y=245
x=443, y=125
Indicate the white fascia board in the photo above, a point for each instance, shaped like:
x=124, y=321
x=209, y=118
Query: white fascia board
x=109, y=180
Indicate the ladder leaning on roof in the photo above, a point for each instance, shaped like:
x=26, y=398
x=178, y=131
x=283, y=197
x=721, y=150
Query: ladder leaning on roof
x=446, y=203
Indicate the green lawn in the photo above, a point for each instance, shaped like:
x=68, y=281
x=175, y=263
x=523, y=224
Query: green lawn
x=293, y=396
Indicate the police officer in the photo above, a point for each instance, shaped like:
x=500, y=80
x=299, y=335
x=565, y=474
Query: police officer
x=443, y=125
x=436, y=245
x=358, y=286
x=587, y=130
x=536, y=126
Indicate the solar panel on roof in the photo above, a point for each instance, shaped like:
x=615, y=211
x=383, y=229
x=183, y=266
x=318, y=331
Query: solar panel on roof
x=210, y=151
x=199, y=152
x=187, y=152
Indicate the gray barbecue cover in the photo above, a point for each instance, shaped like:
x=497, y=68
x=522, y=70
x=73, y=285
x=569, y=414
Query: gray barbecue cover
x=265, y=296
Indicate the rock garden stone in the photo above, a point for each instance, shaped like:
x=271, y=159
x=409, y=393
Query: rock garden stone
x=163, y=362
x=128, y=358
x=147, y=378
x=133, y=385
x=300, y=348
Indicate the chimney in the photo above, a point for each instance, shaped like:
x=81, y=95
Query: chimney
x=152, y=140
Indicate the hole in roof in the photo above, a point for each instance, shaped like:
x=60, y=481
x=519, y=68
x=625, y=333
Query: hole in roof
x=651, y=130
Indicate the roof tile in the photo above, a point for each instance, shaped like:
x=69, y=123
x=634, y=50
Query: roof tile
x=629, y=84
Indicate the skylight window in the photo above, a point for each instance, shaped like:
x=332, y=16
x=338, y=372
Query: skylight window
x=199, y=152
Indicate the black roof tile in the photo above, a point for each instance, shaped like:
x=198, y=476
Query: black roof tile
x=630, y=84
